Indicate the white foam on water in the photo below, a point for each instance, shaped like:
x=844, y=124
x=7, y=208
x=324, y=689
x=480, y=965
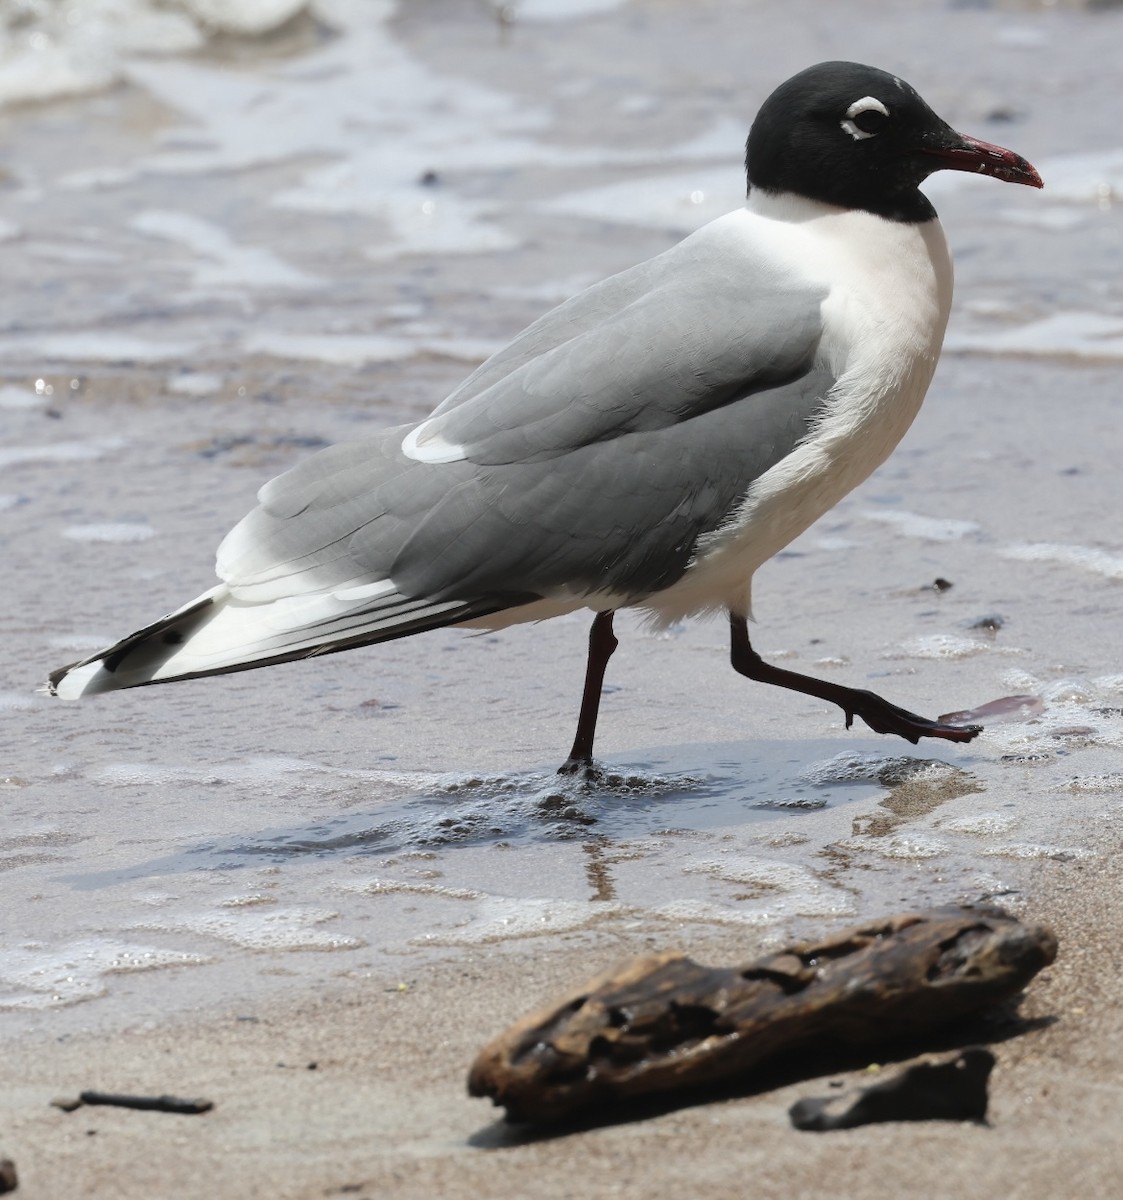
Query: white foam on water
x=710, y=913
x=384, y=122
x=70, y=252
x=1084, y=335
x=980, y=824
x=1071, y=713
x=1094, y=178
x=47, y=70
x=110, y=531
x=195, y=383
x=500, y=918
x=761, y=871
x=902, y=845
x=560, y=10
x=1106, y=783
x=247, y=900
x=70, y=49
x=383, y=887
x=93, y=178
x=59, y=451
x=339, y=348
x=12, y=701
x=462, y=348
x=948, y=646
x=1057, y=730
x=90, y=345
x=9, y=500
x=788, y=888
x=1068, y=691
x=1053, y=219
x=930, y=529
x=8, y=231
x=278, y=929
x=12, y=396
x=1007, y=308
x=431, y=227
x=1087, y=558
x=1020, y=681
x=344, y=349
x=850, y=767
x=1034, y=850
x=680, y=201
x=248, y=18
x=156, y=899
x=364, y=104
x=221, y=263
x=1022, y=37
x=252, y=772
x=34, y=976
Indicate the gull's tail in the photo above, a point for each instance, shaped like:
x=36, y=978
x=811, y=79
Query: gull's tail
x=219, y=633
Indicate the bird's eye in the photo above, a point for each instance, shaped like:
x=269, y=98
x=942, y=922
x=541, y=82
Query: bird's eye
x=864, y=118
x=870, y=121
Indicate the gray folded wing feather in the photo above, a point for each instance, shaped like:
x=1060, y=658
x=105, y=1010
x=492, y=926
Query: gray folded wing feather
x=622, y=516
x=666, y=342
x=590, y=455
x=620, y=511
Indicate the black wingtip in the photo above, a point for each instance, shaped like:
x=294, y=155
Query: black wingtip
x=56, y=677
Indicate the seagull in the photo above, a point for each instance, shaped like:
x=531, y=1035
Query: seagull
x=648, y=444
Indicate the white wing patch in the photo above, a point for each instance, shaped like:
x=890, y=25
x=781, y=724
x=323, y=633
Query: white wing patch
x=866, y=104
x=364, y=591
x=75, y=682
x=425, y=444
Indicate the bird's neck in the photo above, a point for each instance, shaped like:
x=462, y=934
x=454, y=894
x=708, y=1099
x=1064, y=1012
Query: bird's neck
x=912, y=208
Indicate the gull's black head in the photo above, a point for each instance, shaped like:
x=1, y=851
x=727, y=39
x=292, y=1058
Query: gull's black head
x=858, y=137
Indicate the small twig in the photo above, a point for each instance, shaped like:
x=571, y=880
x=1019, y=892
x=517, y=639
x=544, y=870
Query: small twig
x=170, y=1104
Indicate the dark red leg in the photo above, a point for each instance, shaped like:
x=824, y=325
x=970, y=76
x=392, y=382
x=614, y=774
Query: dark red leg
x=602, y=643
x=878, y=714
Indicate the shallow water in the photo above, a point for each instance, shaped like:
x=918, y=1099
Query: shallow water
x=222, y=259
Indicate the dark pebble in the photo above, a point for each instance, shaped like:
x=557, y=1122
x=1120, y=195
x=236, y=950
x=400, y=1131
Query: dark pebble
x=953, y=1089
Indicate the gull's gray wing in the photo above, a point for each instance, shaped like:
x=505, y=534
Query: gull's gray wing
x=623, y=516
x=688, y=332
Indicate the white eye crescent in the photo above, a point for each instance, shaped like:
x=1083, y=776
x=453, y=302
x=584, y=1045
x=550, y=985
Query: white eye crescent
x=867, y=104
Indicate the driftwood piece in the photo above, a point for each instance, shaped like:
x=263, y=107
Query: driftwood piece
x=952, y=1088
x=663, y=1023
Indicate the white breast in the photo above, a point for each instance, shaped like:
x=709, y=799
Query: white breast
x=889, y=294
